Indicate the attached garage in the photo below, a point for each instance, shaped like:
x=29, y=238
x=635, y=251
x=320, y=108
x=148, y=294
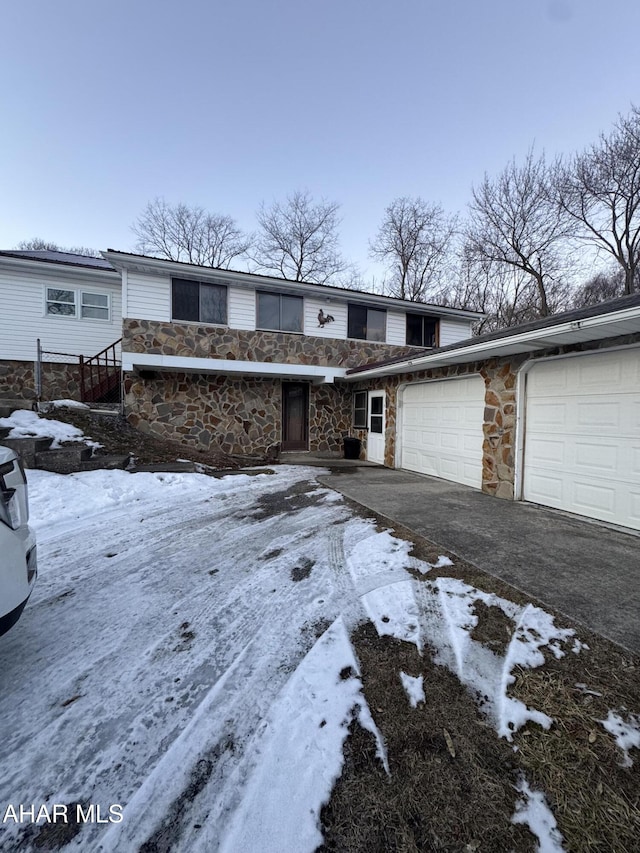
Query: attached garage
x=441, y=429
x=582, y=435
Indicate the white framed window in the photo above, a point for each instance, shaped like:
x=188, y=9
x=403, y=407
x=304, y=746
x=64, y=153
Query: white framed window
x=61, y=302
x=81, y=304
x=94, y=305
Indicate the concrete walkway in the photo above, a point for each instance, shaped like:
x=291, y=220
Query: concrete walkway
x=586, y=570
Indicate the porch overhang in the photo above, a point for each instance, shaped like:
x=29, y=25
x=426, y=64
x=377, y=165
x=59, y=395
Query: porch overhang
x=313, y=373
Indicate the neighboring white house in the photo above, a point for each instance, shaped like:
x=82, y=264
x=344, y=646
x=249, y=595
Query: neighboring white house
x=71, y=303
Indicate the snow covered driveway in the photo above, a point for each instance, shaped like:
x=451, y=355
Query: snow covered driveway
x=183, y=678
x=157, y=666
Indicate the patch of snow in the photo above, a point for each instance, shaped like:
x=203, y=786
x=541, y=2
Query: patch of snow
x=584, y=689
x=533, y=811
x=68, y=404
x=414, y=688
x=441, y=563
x=27, y=424
x=440, y=614
x=626, y=733
x=301, y=753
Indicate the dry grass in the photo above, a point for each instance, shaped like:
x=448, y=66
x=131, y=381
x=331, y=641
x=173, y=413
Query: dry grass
x=433, y=801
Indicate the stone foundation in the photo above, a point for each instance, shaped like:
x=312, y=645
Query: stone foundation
x=59, y=381
x=239, y=416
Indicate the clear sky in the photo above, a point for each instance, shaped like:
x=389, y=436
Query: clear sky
x=107, y=104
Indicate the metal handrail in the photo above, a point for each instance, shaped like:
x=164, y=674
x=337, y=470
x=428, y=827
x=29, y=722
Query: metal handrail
x=98, y=369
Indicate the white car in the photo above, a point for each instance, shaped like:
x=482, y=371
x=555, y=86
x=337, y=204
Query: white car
x=18, y=560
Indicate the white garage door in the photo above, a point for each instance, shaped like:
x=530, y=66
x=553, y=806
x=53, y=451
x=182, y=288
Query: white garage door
x=442, y=429
x=582, y=436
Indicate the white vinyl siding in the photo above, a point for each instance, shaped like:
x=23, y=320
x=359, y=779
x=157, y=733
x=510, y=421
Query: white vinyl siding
x=335, y=329
x=396, y=328
x=23, y=318
x=452, y=331
x=148, y=297
x=242, y=308
x=582, y=436
x=441, y=432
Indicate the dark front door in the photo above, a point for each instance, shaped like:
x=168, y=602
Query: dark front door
x=295, y=416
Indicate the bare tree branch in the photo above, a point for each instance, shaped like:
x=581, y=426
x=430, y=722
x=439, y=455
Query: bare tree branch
x=412, y=242
x=299, y=239
x=515, y=223
x=191, y=234
x=36, y=244
x=600, y=190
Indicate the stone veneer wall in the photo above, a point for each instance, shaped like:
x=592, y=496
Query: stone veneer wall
x=329, y=417
x=187, y=339
x=499, y=427
x=238, y=416
x=59, y=381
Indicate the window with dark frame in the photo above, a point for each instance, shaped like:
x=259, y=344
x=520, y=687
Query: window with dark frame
x=421, y=331
x=360, y=410
x=279, y=312
x=198, y=301
x=367, y=324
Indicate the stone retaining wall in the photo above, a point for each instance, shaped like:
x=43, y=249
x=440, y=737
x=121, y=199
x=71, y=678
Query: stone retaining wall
x=59, y=381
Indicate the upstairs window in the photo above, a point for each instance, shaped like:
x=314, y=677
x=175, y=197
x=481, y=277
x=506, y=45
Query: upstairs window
x=367, y=324
x=278, y=312
x=421, y=331
x=84, y=304
x=198, y=301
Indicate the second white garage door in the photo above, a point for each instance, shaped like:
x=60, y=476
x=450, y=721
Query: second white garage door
x=582, y=436
x=441, y=431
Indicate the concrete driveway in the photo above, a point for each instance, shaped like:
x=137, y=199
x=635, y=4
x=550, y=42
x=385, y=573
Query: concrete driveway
x=584, y=569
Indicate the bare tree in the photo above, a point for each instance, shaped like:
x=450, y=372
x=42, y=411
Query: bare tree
x=299, y=239
x=506, y=295
x=514, y=222
x=412, y=242
x=600, y=287
x=38, y=244
x=600, y=190
x=192, y=234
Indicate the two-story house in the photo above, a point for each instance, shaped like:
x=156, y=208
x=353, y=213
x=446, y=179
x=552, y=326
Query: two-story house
x=547, y=412
x=254, y=363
